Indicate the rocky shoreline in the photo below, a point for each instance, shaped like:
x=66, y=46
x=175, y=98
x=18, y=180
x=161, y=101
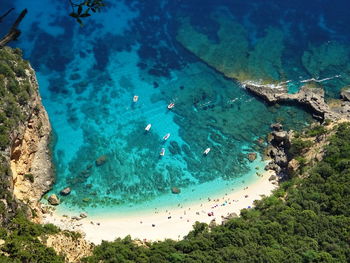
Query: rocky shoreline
x=309, y=96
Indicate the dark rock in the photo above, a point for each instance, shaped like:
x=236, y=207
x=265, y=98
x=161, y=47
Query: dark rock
x=251, y=156
x=53, y=200
x=83, y=215
x=175, y=190
x=277, y=127
x=101, y=160
x=65, y=191
x=272, y=177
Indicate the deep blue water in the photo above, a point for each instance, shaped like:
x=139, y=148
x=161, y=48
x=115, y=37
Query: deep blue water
x=88, y=76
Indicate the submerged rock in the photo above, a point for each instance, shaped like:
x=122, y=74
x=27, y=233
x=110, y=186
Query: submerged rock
x=65, y=191
x=175, y=190
x=251, y=156
x=53, y=200
x=101, y=160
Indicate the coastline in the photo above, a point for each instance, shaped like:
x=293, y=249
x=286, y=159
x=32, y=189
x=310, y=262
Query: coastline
x=173, y=223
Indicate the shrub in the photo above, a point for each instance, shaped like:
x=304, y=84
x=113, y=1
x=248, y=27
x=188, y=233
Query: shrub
x=298, y=146
x=29, y=177
x=6, y=71
x=316, y=131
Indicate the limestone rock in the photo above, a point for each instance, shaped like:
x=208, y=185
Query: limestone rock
x=101, y=160
x=175, y=190
x=293, y=165
x=73, y=248
x=53, y=200
x=65, y=191
x=345, y=94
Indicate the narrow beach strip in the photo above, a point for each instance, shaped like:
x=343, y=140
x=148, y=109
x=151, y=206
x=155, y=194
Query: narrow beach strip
x=173, y=223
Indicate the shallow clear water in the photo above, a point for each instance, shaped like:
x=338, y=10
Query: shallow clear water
x=89, y=75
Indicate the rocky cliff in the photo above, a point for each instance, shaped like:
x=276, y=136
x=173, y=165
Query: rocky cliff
x=30, y=155
x=25, y=132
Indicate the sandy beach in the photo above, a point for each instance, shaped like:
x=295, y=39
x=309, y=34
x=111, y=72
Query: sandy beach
x=161, y=224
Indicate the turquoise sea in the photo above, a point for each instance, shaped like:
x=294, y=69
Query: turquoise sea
x=167, y=51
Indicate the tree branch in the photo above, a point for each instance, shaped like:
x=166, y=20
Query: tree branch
x=4, y=15
x=14, y=32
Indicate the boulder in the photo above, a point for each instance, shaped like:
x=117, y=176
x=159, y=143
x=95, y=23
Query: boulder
x=53, y=200
x=101, y=160
x=345, y=94
x=175, y=190
x=251, y=156
x=280, y=136
x=83, y=215
x=65, y=191
x=272, y=177
x=277, y=127
x=293, y=165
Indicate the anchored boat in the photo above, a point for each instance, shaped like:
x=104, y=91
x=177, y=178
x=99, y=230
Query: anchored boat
x=206, y=151
x=166, y=136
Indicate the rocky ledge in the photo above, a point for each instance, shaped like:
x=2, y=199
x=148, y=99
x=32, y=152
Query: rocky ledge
x=309, y=96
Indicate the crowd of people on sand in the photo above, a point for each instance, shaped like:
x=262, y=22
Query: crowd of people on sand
x=217, y=204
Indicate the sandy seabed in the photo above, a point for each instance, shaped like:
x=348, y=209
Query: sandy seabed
x=161, y=224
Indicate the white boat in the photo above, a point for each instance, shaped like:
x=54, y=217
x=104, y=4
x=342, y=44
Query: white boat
x=206, y=151
x=171, y=105
x=162, y=152
x=135, y=98
x=166, y=136
x=148, y=127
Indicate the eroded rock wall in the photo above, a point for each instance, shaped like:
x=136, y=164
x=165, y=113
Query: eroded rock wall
x=30, y=155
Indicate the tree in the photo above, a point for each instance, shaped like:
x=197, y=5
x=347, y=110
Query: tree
x=80, y=10
x=83, y=9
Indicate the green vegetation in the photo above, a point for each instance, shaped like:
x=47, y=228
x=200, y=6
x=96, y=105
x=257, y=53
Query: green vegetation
x=22, y=243
x=15, y=91
x=29, y=177
x=316, y=131
x=19, y=236
x=299, y=146
x=306, y=220
x=83, y=9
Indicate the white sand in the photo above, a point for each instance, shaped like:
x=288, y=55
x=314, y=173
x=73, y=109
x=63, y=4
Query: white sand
x=176, y=227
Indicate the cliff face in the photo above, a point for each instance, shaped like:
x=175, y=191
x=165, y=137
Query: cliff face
x=30, y=156
x=25, y=133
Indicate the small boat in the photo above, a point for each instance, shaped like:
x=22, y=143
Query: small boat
x=206, y=151
x=148, y=127
x=135, y=98
x=171, y=105
x=162, y=152
x=166, y=136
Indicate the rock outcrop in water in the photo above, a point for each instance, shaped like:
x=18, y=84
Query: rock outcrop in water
x=279, y=145
x=309, y=96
